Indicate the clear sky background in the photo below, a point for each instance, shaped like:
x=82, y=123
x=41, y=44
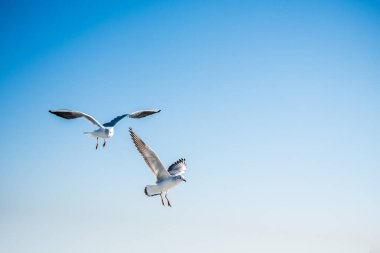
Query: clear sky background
x=274, y=104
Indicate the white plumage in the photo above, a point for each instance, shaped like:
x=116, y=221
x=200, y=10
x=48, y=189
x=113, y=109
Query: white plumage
x=165, y=179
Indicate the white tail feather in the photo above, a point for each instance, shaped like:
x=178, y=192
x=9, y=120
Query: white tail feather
x=152, y=190
x=91, y=134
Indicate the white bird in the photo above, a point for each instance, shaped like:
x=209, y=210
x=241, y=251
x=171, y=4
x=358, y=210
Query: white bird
x=106, y=130
x=165, y=179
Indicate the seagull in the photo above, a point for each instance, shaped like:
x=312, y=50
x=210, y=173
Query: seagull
x=165, y=179
x=105, y=130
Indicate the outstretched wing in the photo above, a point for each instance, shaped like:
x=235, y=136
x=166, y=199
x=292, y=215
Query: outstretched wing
x=150, y=157
x=178, y=168
x=68, y=114
x=113, y=122
x=142, y=114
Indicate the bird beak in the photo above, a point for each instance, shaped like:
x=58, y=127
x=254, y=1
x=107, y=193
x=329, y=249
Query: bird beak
x=184, y=180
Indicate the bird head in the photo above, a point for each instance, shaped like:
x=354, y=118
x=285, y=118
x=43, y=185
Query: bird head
x=109, y=132
x=180, y=177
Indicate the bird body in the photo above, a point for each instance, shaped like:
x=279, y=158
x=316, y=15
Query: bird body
x=104, y=133
x=162, y=186
x=166, y=179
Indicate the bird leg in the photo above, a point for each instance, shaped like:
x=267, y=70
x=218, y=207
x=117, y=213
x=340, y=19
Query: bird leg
x=104, y=143
x=166, y=196
x=96, y=142
x=162, y=201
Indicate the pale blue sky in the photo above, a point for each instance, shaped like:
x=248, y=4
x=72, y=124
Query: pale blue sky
x=274, y=104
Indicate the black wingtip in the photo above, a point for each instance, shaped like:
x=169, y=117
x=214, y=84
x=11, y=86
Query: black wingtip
x=54, y=112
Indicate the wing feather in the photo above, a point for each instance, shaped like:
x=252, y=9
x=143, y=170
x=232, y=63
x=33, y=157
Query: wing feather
x=142, y=114
x=113, y=122
x=151, y=159
x=69, y=114
x=178, y=168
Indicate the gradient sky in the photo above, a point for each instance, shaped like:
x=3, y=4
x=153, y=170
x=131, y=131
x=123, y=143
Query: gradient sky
x=274, y=104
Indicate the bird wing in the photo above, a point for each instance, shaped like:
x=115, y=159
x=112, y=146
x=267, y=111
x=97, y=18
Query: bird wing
x=178, y=168
x=68, y=114
x=142, y=114
x=150, y=157
x=113, y=122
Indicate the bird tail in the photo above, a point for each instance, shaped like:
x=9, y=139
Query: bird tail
x=91, y=134
x=152, y=190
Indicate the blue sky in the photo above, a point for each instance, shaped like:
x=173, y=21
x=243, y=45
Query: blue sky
x=274, y=104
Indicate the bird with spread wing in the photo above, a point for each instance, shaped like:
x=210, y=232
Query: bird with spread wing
x=165, y=178
x=106, y=130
